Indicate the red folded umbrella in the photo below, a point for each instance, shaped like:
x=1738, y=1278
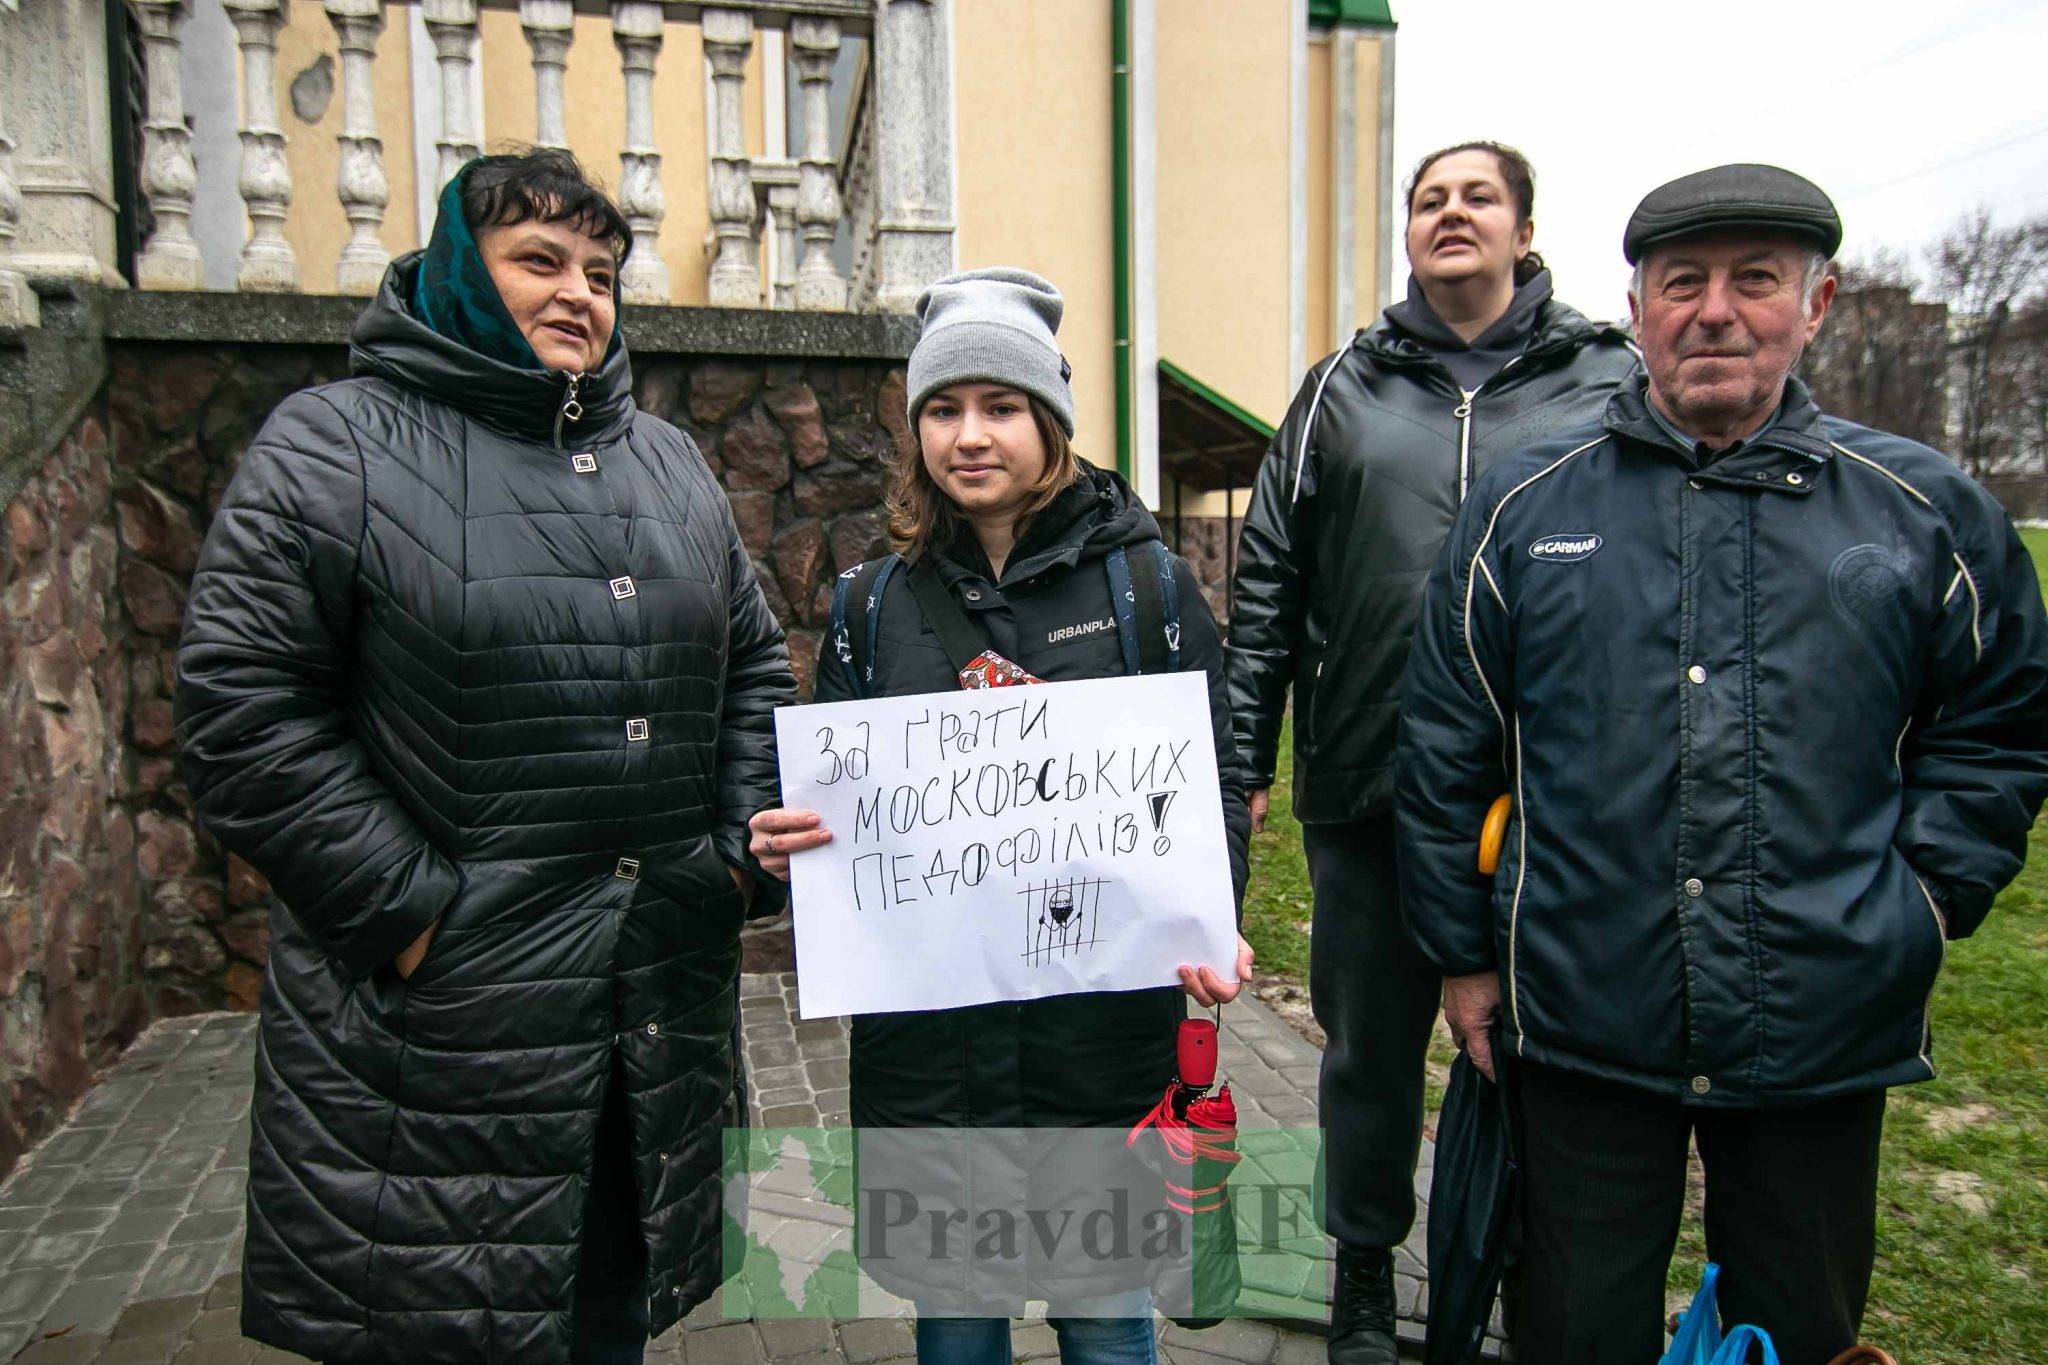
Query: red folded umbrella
x=1197, y=1134
x=1193, y=1128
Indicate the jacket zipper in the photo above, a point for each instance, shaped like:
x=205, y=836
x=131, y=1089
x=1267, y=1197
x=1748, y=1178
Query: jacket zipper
x=1315, y=702
x=1463, y=412
x=571, y=410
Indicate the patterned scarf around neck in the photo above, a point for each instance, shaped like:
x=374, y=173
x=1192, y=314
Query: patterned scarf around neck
x=453, y=293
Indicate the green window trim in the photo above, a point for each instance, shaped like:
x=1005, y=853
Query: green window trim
x=1352, y=13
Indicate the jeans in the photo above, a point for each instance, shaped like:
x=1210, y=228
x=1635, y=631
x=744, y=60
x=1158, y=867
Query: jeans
x=1098, y=1340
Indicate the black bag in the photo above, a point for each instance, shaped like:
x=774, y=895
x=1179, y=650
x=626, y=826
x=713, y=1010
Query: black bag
x=1473, y=1230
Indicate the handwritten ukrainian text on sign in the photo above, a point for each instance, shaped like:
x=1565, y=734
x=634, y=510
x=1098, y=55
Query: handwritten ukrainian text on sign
x=1006, y=844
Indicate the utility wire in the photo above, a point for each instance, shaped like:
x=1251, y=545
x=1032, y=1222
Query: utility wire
x=2026, y=134
x=1919, y=45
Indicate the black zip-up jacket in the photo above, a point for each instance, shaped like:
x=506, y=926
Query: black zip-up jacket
x=1775, y=727
x=453, y=653
x=1075, y=1061
x=1349, y=510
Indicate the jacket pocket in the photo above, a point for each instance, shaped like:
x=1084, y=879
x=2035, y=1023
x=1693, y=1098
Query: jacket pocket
x=1937, y=924
x=1308, y=697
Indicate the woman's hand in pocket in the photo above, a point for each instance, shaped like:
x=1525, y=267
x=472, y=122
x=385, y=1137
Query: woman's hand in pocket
x=1209, y=989
x=779, y=832
x=408, y=961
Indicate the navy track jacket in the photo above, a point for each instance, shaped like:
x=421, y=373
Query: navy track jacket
x=1775, y=728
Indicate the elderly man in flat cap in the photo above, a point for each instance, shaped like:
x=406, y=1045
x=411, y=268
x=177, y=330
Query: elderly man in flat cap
x=1768, y=694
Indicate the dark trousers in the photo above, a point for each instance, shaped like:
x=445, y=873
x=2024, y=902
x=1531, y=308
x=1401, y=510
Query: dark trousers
x=1376, y=997
x=1790, y=1215
x=611, y=1273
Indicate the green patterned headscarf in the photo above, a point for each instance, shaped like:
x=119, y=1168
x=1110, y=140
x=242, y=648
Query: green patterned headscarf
x=455, y=295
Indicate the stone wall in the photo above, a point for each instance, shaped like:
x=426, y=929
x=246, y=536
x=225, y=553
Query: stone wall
x=71, y=931
x=801, y=448
x=115, y=908
x=1204, y=543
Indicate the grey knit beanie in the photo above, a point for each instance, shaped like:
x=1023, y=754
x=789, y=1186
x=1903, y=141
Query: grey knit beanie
x=991, y=326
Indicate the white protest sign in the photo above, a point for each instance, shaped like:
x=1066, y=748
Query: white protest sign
x=1006, y=843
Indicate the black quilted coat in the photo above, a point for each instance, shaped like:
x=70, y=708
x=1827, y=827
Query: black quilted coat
x=455, y=653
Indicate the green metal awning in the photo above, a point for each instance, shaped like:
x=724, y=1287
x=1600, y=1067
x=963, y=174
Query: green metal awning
x=1355, y=13
x=1206, y=441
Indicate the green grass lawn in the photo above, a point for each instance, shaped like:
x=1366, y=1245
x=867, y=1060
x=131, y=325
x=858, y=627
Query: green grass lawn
x=1962, y=1250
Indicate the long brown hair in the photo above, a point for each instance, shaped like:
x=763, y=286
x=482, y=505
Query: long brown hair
x=920, y=515
x=1515, y=171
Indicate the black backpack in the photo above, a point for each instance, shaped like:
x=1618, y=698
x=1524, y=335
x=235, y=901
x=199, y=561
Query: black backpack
x=1146, y=604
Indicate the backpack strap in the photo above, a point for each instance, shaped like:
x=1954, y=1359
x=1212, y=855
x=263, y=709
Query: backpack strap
x=1147, y=605
x=1123, y=601
x=1151, y=614
x=862, y=586
x=1169, y=603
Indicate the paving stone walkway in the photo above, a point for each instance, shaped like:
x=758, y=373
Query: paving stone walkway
x=120, y=1236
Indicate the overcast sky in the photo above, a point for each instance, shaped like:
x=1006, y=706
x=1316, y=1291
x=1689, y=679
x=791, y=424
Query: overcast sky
x=1906, y=113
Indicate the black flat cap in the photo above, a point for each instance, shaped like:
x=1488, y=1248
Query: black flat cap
x=1770, y=198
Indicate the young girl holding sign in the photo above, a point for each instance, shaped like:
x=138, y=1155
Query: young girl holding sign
x=990, y=506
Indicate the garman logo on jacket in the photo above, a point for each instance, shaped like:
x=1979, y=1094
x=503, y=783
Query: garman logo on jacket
x=1053, y=637
x=1566, y=546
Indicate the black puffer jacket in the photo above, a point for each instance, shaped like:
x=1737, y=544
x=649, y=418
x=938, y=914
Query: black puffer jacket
x=1775, y=728
x=1350, y=507
x=419, y=649
x=1071, y=1060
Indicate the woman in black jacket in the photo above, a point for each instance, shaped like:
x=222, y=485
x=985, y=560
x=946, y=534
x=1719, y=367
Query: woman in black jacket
x=1017, y=527
x=476, y=672
x=1348, y=511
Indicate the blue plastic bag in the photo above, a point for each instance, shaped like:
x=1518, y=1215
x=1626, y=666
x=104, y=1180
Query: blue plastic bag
x=1735, y=1347
x=1698, y=1340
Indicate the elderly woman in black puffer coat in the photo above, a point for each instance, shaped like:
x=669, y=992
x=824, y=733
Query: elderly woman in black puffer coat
x=476, y=672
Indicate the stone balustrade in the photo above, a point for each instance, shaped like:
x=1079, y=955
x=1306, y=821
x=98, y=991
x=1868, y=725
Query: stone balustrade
x=893, y=211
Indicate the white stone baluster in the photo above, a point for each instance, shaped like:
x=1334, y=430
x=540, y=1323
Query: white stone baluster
x=452, y=23
x=636, y=29
x=359, y=175
x=550, y=27
x=782, y=207
x=819, y=285
x=268, y=263
x=735, y=279
x=169, y=177
x=775, y=189
x=913, y=95
x=18, y=304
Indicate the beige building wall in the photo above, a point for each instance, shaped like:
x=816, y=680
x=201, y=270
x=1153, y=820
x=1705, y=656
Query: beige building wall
x=1223, y=205
x=1319, y=329
x=1033, y=174
x=1222, y=185
x=1370, y=216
